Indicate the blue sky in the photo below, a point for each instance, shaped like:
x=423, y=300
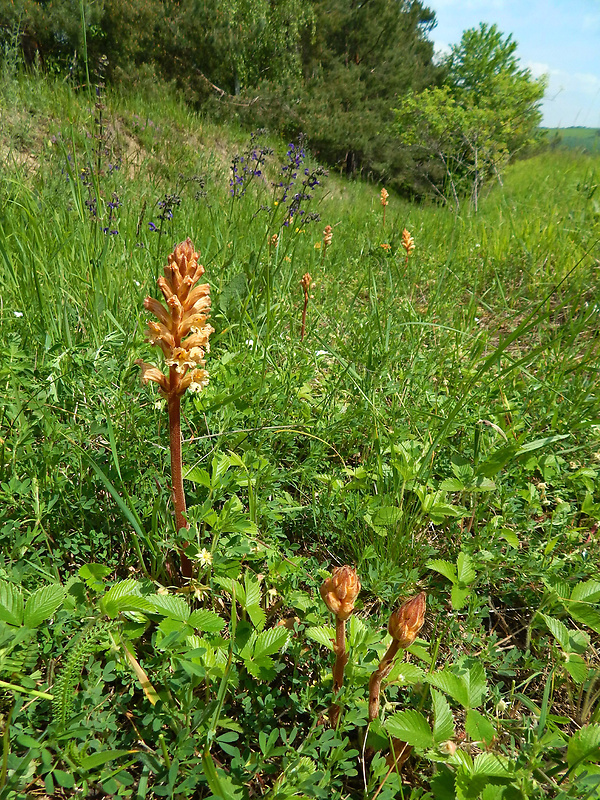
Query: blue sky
x=560, y=38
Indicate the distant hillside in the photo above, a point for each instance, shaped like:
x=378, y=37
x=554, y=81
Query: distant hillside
x=587, y=139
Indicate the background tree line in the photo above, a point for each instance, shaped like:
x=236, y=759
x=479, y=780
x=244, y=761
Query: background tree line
x=358, y=78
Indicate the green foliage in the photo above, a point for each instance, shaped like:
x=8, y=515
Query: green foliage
x=362, y=58
x=437, y=427
x=486, y=112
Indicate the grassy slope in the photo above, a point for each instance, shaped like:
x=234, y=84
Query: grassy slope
x=587, y=139
x=389, y=436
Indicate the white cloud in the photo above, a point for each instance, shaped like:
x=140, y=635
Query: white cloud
x=537, y=68
x=588, y=83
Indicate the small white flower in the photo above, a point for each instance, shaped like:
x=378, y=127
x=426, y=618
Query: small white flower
x=18, y=313
x=250, y=343
x=322, y=353
x=137, y=283
x=204, y=557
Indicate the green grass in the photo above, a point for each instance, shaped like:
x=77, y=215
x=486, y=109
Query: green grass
x=437, y=428
x=586, y=139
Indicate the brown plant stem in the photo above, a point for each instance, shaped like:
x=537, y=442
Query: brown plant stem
x=341, y=659
x=303, y=328
x=382, y=671
x=174, y=406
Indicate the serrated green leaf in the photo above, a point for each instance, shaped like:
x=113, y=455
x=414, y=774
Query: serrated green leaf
x=560, y=587
x=491, y=764
x=439, y=511
x=260, y=668
x=270, y=641
x=300, y=600
x=323, y=635
x=465, y=571
x=197, y=475
x=579, y=641
x=445, y=568
x=559, y=630
x=451, y=684
x=577, y=667
x=127, y=602
x=93, y=574
x=443, y=727
x=120, y=589
x=170, y=606
x=205, y=620
x=481, y=484
x=587, y=615
x=252, y=590
x=451, y=485
x=42, y=604
x=405, y=673
x=11, y=603
x=410, y=727
x=257, y=615
x=479, y=728
x=458, y=596
x=588, y=591
x=584, y=745
x=476, y=684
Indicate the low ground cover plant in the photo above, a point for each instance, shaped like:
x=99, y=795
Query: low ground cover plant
x=400, y=430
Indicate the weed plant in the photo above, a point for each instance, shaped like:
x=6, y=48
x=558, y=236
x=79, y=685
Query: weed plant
x=432, y=421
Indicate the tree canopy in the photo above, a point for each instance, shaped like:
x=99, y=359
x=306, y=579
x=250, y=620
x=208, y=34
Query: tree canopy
x=486, y=112
x=358, y=77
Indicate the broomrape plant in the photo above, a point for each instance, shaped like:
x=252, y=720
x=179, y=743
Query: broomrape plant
x=182, y=332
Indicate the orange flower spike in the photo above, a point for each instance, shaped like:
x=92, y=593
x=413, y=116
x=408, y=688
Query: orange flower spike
x=187, y=311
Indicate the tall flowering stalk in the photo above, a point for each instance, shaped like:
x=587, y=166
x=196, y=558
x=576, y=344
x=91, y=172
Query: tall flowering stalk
x=305, y=283
x=339, y=594
x=327, y=239
x=384, y=202
x=182, y=334
x=404, y=625
x=408, y=243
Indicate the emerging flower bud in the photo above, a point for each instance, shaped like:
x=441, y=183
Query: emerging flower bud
x=406, y=622
x=340, y=592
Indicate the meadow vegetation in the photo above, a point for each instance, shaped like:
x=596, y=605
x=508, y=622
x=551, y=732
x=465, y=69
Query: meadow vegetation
x=435, y=427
